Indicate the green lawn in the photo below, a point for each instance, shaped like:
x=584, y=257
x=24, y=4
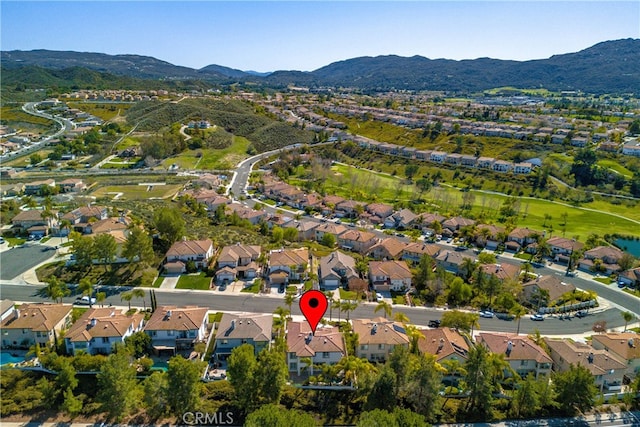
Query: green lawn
x=215, y=317
x=210, y=158
x=126, y=143
x=253, y=289
x=157, y=282
x=348, y=295
x=15, y=241
x=604, y=280
x=137, y=192
x=616, y=167
x=194, y=281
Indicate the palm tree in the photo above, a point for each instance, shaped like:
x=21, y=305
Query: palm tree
x=308, y=364
x=56, y=289
x=348, y=306
x=139, y=293
x=281, y=322
x=385, y=307
x=127, y=296
x=335, y=303
x=329, y=295
x=100, y=297
x=401, y=317
x=628, y=317
x=289, y=298
x=543, y=250
x=469, y=267
x=518, y=311
x=65, y=224
x=414, y=336
x=352, y=367
x=86, y=286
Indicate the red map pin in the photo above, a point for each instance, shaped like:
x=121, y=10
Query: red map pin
x=313, y=305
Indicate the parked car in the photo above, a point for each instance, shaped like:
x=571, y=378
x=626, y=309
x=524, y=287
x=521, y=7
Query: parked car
x=581, y=314
x=379, y=296
x=505, y=316
x=434, y=323
x=537, y=317
x=85, y=300
x=487, y=314
x=621, y=284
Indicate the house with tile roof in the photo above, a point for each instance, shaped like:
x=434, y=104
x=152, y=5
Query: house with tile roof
x=501, y=271
x=378, y=337
x=357, y=241
x=198, y=251
x=389, y=248
x=390, y=275
x=456, y=223
x=607, y=370
x=403, y=219
x=624, y=345
x=452, y=261
x=630, y=277
x=414, y=251
x=286, y=265
x=34, y=323
x=563, y=246
x=243, y=328
x=325, y=347
x=173, y=328
x=523, y=355
x=520, y=237
x=377, y=212
x=6, y=309
x=601, y=258
x=551, y=285
x=99, y=329
x=29, y=220
x=329, y=228
x=444, y=344
x=240, y=259
x=336, y=269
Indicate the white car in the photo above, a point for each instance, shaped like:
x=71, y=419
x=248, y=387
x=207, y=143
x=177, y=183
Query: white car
x=537, y=317
x=85, y=300
x=487, y=314
x=379, y=296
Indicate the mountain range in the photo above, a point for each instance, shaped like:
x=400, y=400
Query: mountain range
x=607, y=67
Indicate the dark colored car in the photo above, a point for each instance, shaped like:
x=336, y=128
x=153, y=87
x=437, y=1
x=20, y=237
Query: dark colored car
x=434, y=323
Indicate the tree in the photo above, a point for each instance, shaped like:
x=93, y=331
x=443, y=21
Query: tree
x=127, y=296
x=169, y=223
x=138, y=343
x=526, y=402
x=272, y=375
x=139, y=293
x=274, y=415
x=71, y=404
x=410, y=170
x=183, y=384
x=105, y=248
x=86, y=287
x=100, y=297
x=348, y=306
x=328, y=240
x=350, y=368
x=118, y=388
x=626, y=261
x=35, y=158
x=241, y=371
x=468, y=267
x=379, y=397
x=138, y=248
x=289, y=299
x=478, y=382
x=576, y=389
x=385, y=307
x=459, y=292
x=290, y=234
x=56, y=289
x=424, y=385
x=155, y=388
x=277, y=234
x=82, y=248
x=424, y=273
x=628, y=317
x=486, y=258
x=460, y=320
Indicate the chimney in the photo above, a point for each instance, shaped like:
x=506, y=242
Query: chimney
x=374, y=329
x=440, y=345
x=590, y=358
x=509, y=348
x=94, y=322
x=16, y=313
x=168, y=315
x=630, y=343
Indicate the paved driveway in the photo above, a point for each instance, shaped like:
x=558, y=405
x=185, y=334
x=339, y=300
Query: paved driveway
x=17, y=260
x=169, y=282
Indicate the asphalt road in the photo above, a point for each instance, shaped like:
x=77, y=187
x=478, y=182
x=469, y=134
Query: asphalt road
x=15, y=261
x=268, y=304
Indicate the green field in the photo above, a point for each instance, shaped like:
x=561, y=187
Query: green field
x=126, y=143
x=194, y=281
x=137, y=192
x=25, y=160
x=210, y=158
x=616, y=167
x=105, y=111
x=596, y=217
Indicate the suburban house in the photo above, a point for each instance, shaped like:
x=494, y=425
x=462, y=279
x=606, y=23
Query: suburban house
x=174, y=328
x=329, y=228
x=601, y=259
x=390, y=275
x=34, y=223
x=6, y=309
x=377, y=212
x=251, y=215
x=631, y=149
x=413, y=252
x=37, y=188
x=630, y=277
x=181, y=252
x=349, y=208
x=489, y=236
x=452, y=261
x=245, y=328
x=403, y=219
x=389, y=248
x=445, y=344
x=551, y=286
x=456, y=223
x=624, y=345
x=357, y=241
x=288, y=264
x=241, y=259
x=325, y=347
x=80, y=218
x=501, y=271
x=34, y=323
x=524, y=356
x=520, y=237
x=336, y=269
x=72, y=185
x=99, y=329
x=378, y=337
x=608, y=371
x=306, y=229
x=563, y=246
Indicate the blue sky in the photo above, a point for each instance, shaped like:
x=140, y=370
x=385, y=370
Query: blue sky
x=306, y=35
